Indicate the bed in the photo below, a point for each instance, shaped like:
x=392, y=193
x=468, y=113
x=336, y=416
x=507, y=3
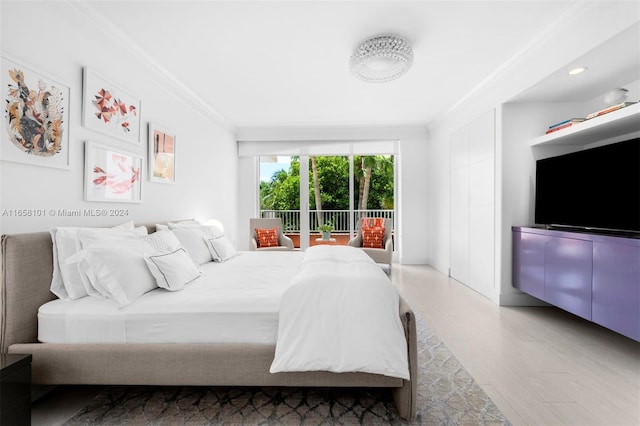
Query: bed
x=135, y=359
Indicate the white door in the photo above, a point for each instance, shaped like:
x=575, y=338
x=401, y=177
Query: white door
x=473, y=204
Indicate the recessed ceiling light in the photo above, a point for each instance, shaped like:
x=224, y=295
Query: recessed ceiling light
x=577, y=70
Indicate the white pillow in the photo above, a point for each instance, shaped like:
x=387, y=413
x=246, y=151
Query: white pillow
x=158, y=242
x=162, y=241
x=118, y=268
x=208, y=229
x=182, y=223
x=94, y=286
x=129, y=226
x=221, y=248
x=88, y=237
x=57, y=284
x=69, y=241
x=172, y=270
x=192, y=239
x=171, y=225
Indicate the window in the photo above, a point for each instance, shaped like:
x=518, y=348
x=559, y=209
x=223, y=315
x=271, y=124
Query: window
x=337, y=190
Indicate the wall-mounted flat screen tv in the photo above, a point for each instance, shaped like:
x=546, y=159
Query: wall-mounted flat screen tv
x=595, y=189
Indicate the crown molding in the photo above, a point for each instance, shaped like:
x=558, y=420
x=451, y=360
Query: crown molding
x=570, y=13
x=174, y=84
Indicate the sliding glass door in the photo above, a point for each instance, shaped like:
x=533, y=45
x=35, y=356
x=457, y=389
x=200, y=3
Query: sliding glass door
x=374, y=186
x=330, y=193
x=329, y=200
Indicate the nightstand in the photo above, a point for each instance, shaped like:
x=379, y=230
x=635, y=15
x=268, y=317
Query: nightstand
x=15, y=389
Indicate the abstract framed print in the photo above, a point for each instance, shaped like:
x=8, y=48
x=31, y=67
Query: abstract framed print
x=112, y=175
x=36, y=117
x=162, y=155
x=109, y=109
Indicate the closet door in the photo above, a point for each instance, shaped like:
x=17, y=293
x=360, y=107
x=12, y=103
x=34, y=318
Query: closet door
x=473, y=204
x=459, y=256
x=482, y=204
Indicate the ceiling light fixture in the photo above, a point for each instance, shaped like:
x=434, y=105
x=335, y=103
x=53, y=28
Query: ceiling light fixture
x=616, y=96
x=577, y=70
x=381, y=58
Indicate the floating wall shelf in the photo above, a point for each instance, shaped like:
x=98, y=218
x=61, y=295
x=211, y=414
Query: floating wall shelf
x=617, y=123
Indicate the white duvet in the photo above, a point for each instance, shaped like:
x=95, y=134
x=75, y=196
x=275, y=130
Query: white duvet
x=340, y=314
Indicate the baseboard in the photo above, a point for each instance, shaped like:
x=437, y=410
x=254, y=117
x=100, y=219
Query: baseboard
x=441, y=267
x=519, y=299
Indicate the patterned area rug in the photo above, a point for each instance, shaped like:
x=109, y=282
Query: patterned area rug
x=447, y=395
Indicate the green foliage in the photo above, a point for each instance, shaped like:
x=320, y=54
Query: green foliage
x=381, y=183
x=327, y=227
x=283, y=191
x=333, y=174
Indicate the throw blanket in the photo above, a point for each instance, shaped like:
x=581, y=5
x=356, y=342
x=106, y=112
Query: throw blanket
x=341, y=315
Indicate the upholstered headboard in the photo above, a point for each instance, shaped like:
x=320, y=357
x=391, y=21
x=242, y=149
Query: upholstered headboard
x=27, y=267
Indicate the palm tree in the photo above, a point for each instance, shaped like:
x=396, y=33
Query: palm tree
x=363, y=174
x=316, y=190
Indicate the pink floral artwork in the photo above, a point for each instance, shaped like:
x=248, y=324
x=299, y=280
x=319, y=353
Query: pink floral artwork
x=109, y=108
x=112, y=175
x=121, y=181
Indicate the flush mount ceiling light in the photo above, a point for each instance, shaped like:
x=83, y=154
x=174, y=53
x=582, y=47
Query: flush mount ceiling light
x=381, y=58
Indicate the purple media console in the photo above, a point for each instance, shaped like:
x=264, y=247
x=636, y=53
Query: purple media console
x=596, y=277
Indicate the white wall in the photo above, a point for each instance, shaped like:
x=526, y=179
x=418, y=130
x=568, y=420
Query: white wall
x=413, y=208
x=57, y=39
x=248, y=198
x=590, y=25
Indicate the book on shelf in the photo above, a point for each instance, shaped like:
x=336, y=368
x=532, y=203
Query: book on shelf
x=569, y=121
x=609, y=109
x=563, y=126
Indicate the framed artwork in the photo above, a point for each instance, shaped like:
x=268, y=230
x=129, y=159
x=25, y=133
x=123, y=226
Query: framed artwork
x=36, y=117
x=162, y=155
x=112, y=174
x=109, y=109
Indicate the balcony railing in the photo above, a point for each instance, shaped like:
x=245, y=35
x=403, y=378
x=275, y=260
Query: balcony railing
x=339, y=218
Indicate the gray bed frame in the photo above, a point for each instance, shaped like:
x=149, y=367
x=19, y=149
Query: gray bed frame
x=27, y=267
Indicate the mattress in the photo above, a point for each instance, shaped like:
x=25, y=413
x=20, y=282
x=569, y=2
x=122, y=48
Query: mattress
x=236, y=301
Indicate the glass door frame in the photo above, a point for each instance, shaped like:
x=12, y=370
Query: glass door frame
x=304, y=158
